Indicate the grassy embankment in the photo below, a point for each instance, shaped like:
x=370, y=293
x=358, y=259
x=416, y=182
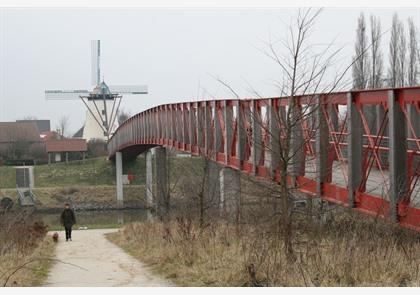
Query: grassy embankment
x=90, y=183
x=351, y=251
x=86, y=184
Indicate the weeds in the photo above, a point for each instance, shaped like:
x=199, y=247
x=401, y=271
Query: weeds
x=25, y=252
x=349, y=251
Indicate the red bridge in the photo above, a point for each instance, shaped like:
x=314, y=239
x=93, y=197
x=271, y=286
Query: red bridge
x=358, y=149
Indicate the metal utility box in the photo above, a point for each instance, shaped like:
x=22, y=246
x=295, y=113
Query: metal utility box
x=25, y=177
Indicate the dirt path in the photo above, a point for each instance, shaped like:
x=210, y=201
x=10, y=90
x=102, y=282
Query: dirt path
x=95, y=261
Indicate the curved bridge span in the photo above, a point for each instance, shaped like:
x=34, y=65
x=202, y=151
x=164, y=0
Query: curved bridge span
x=358, y=149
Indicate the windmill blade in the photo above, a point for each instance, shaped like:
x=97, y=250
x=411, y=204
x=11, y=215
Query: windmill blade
x=129, y=89
x=96, y=58
x=64, y=94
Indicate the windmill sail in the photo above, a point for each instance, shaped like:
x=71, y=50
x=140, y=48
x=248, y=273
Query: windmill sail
x=96, y=58
x=128, y=89
x=64, y=94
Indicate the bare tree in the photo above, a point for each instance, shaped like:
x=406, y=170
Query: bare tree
x=402, y=51
x=376, y=71
x=303, y=72
x=122, y=116
x=30, y=117
x=396, y=54
x=361, y=57
x=412, y=69
x=63, y=125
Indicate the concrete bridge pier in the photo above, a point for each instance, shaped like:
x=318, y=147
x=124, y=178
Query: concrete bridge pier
x=230, y=193
x=223, y=190
x=157, y=181
x=150, y=203
x=119, y=179
x=162, y=181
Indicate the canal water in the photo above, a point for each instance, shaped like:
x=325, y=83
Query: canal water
x=95, y=219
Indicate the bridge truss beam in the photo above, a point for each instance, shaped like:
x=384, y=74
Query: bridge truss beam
x=347, y=161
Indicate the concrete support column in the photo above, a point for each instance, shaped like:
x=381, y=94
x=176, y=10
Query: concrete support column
x=162, y=181
x=192, y=126
x=217, y=144
x=241, y=132
x=200, y=127
x=274, y=138
x=119, y=175
x=322, y=144
x=227, y=119
x=256, y=136
x=149, y=180
x=297, y=148
x=354, y=141
x=397, y=154
x=207, y=129
x=230, y=193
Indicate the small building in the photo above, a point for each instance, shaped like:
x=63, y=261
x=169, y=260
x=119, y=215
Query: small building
x=56, y=149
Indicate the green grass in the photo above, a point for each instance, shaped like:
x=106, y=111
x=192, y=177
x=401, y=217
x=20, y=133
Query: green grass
x=94, y=172
x=97, y=171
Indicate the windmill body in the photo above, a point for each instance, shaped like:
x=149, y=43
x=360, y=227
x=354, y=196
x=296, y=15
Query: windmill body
x=102, y=103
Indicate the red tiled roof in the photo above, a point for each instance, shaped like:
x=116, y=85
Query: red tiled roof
x=66, y=145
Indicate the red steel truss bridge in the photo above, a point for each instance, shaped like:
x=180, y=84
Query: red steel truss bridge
x=358, y=149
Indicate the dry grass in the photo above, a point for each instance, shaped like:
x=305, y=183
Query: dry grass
x=26, y=252
x=35, y=272
x=353, y=251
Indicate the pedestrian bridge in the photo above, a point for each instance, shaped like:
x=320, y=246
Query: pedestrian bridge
x=358, y=149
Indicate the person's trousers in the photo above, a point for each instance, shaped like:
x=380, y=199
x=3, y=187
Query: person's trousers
x=68, y=232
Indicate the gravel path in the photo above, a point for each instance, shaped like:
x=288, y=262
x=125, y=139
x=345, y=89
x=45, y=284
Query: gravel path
x=90, y=260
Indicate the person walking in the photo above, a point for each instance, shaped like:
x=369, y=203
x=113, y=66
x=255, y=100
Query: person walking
x=67, y=219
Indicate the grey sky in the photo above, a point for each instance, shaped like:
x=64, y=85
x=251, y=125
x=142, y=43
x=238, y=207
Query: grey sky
x=170, y=50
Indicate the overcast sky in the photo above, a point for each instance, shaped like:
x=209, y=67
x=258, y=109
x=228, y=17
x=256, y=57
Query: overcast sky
x=173, y=51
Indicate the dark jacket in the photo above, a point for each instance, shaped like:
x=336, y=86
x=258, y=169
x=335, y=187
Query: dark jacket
x=67, y=218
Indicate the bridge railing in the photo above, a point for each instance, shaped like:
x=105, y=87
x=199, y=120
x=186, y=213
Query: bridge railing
x=360, y=149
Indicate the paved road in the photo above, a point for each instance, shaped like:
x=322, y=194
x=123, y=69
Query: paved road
x=93, y=261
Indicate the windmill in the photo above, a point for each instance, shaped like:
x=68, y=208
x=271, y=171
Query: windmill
x=102, y=102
